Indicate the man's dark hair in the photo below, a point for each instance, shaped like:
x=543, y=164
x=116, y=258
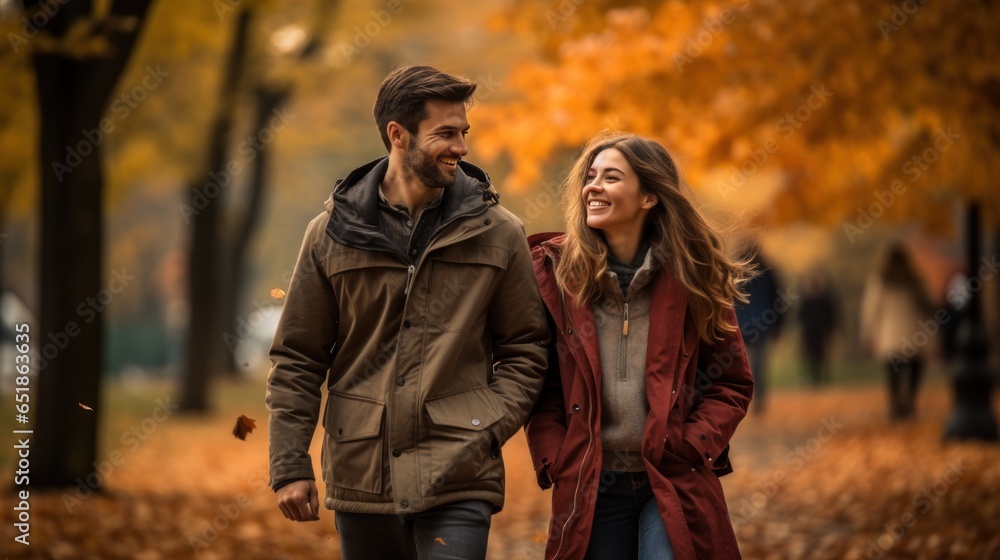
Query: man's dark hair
x=403, y=95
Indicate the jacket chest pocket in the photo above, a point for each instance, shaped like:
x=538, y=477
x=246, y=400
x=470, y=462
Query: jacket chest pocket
x=461, y=284
x=463, y=445
x=353, y=458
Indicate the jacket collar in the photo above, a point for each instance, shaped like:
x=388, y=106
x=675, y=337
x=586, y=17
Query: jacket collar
x=353, y=204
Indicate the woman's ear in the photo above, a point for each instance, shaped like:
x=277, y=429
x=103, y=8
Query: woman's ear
x=649, y=202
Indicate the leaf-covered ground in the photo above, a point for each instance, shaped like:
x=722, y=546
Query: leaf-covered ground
x=821, y=475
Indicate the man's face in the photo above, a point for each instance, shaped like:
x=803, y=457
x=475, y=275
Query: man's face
x=439, y=144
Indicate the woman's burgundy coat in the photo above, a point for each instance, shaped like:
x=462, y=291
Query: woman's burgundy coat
x=698, y=393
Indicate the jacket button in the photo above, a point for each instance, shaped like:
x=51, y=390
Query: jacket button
x=576, y=408
x=340, y=431
x=569, y=331
x=487, y=221
x=686, y=354
x=703, y=438
x=407, y=324
x=675, y=406
x=400, y=381
x=396, y=453
x=404, y=504
x=476, y=422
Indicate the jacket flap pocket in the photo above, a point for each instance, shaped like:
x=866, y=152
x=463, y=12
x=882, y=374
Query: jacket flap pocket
x=475, y=409
x=343, y=259
x=473, y=254
x=352, y=418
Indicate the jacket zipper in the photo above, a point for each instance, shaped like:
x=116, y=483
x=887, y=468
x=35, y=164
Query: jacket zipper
x=409, y=279
x=623, y=348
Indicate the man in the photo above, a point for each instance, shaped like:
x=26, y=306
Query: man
x=414, y=300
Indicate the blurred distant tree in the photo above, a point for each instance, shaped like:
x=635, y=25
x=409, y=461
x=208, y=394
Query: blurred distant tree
x=853, y=112
x=79, y=50
x=223, y=228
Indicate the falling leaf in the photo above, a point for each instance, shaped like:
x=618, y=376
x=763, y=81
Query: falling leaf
x=440, y=540
x=246, y=364
x=85, y=407
x=244, y=426
x=277, y=293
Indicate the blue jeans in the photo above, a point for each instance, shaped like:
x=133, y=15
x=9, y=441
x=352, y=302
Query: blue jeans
x=455, y=531
x=627, y=523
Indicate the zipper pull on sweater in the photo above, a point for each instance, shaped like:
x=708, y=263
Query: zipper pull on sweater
x=625, y=324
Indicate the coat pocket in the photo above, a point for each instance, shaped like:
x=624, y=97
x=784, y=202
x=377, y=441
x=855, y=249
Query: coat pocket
x=463, y=445
x=353, y=458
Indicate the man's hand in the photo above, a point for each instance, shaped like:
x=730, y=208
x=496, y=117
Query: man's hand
x=299, y=500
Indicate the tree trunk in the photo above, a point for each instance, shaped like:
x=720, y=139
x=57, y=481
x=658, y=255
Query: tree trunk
x=206, y=347
x=267, y=100
x=68, y=339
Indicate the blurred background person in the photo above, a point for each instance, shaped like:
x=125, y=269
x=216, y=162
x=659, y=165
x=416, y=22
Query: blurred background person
x=892, y=304
x=819, y=318
x=760, y=320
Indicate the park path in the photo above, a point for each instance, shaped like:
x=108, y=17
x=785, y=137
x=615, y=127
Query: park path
x=820, y=475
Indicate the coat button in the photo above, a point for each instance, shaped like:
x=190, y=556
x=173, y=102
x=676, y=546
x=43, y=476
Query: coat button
x=476, y=422
x=396, y=453
x=400, y=381
x=407, y=324
x=404, y=504
x=703, y=438
x=340, y=431
x=487, y=221
x=576, y=408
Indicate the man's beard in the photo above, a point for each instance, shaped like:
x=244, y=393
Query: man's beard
x=427, y=170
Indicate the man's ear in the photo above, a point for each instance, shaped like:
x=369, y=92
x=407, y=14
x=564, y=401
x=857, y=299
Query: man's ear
x=398, y=135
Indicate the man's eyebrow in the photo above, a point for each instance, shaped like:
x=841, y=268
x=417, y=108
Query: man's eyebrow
x=451, y=127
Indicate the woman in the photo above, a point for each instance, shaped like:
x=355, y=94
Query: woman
x=648, y=374
x=892, y=305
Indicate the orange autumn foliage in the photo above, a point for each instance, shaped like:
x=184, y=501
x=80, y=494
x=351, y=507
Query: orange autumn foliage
x=824, y=105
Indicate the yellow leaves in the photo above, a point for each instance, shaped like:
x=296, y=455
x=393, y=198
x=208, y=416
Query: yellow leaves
x=85, y=407
x=277, y=293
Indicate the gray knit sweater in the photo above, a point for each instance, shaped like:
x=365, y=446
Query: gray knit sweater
x=623, y=368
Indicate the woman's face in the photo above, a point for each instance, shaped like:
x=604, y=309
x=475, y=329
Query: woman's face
x=611, y=195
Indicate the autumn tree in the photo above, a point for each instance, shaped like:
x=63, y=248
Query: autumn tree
x=837, y=113
x=79, y=50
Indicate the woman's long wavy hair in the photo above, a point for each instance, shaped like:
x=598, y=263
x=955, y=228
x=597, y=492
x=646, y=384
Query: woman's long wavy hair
x=679, y=236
